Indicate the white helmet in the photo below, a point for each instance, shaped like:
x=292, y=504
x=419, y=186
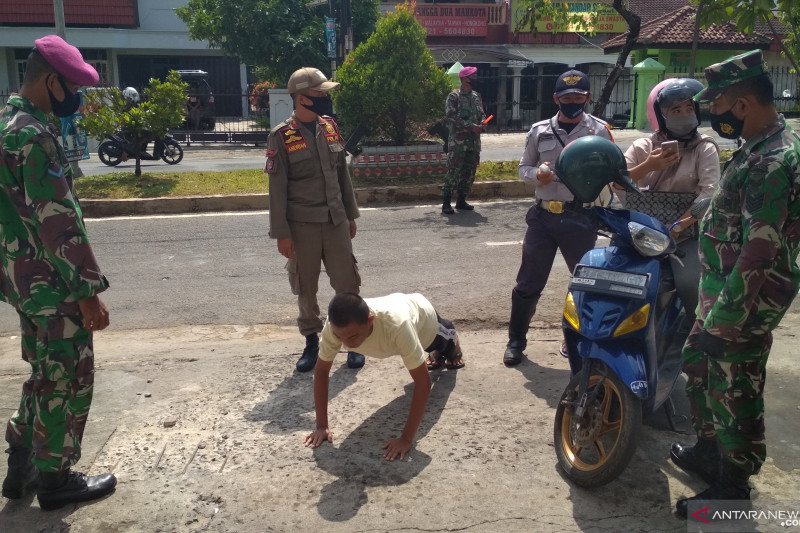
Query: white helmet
x=130, y=94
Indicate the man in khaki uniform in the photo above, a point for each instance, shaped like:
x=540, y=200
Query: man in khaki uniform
x=312, y=206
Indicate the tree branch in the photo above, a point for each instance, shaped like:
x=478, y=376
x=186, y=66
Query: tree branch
x=634, y=27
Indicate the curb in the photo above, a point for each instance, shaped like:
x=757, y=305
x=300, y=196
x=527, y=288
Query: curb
x=373, y=196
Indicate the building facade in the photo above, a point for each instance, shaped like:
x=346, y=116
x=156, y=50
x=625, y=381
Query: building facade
x=127, y=41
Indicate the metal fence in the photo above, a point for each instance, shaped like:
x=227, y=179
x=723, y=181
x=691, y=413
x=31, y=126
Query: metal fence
x=515, y=101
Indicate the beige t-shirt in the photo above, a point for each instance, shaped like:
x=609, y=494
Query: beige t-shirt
x=697, y=171
x=404, y=325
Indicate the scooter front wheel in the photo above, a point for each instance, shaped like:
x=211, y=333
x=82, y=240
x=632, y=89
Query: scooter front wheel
x=173, y=153
x=110, y=153
x=595, y=448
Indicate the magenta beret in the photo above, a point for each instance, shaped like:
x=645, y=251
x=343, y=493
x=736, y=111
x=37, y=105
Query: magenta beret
x=66, y=60
x=466, y=72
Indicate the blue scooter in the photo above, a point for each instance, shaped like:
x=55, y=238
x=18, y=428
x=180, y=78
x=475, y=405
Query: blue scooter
x=624, y=327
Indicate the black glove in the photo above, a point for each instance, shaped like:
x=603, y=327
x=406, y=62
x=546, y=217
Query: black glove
x=711, y=345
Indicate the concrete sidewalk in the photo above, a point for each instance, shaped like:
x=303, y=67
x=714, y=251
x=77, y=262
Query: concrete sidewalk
x=203, y=426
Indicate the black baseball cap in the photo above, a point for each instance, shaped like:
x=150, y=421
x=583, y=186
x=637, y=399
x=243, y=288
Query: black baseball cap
x=572, y=81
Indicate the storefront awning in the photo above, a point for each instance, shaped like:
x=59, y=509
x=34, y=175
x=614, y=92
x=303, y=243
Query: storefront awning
x=468, y=54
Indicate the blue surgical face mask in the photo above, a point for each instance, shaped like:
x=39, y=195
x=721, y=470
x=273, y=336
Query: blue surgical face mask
x=571, y=110
x=681, y=126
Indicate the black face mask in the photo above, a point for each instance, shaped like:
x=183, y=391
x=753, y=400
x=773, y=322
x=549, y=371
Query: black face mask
x=320, y=105
x=69, y=105
x=571, y=110
x=726, y=124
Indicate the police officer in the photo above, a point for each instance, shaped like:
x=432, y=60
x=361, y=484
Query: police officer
x=749, y=240
x=464, y=115
x=554, y=220
x=312, y=206
x=49, y=273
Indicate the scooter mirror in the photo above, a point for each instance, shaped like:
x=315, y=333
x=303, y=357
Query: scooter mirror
x=626, y=181
x=700, y=207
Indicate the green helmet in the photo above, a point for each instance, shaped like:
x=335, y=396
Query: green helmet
x=588, y=164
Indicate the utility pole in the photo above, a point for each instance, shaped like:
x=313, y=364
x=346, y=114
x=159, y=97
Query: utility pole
x=333, y=59
x=58, y=12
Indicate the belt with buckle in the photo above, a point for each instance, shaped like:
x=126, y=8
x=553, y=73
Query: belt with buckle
x=557, y=207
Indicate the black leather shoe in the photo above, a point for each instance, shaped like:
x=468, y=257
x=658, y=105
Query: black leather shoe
x=462, y=205
x=731, y=484
x=22, y=475
x=447, y=209
x=513, y=356
x=308, y=360
x=58, y=489
x=355, y=360
x=703, y=459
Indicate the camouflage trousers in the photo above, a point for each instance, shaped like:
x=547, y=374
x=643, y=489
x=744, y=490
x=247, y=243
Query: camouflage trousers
x=462, y=162
x=726, y=396
x=55, y=400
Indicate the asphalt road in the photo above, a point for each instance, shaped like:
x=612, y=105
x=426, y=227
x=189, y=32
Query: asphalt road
x=224, y=269
x=495, y=147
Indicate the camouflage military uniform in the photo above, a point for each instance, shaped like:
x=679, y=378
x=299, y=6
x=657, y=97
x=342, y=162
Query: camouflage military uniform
x=749, y=242
x=462, y=110
x=47, y=267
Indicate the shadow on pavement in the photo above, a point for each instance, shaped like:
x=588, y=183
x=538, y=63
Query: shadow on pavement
x=24, y=515
x=358, y=461
x=641, y=491
x=290, y=406
x=466, y=219
x=545, y=382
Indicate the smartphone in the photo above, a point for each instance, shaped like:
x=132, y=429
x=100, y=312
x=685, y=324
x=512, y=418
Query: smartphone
x=670, y=146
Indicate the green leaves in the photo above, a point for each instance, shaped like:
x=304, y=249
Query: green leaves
x=163, y=108
x=746, y=13
x=391, y=83
x=279, y=36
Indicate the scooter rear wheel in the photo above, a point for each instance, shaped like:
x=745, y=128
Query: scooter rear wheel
x=110, y=153
x=594, y=449
x=173, y=153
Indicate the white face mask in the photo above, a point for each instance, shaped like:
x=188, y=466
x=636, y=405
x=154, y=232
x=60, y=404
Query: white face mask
x=681, y=126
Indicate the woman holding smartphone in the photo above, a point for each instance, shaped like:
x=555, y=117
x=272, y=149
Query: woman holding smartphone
x=675, y=166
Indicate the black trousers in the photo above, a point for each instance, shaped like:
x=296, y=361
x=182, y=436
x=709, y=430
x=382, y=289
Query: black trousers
x=572, y=232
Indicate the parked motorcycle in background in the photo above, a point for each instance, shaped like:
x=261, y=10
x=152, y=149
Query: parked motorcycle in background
x=623, y=324
x=121, y=147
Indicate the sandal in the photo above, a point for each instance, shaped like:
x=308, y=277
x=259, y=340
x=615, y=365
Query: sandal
x=434, y=361
x=455, y=362
x=454, y=358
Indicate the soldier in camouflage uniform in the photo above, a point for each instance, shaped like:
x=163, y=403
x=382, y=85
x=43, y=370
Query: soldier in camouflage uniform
x=464, y=115
x=50, y=275
x=749, y=241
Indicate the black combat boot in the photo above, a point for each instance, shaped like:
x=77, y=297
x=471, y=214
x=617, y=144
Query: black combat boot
x=703, y=459
x=355, y=360
x=310, y=353
x=447, y=209
x=522, y=310
x=22, y=475
x=731, y=484
x=462, y=205
x=58, y=489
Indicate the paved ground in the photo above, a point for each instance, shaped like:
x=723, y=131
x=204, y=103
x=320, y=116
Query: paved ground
x=202, y=335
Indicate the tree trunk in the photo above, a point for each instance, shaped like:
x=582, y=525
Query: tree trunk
x=138, y=171
x=634, y=25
